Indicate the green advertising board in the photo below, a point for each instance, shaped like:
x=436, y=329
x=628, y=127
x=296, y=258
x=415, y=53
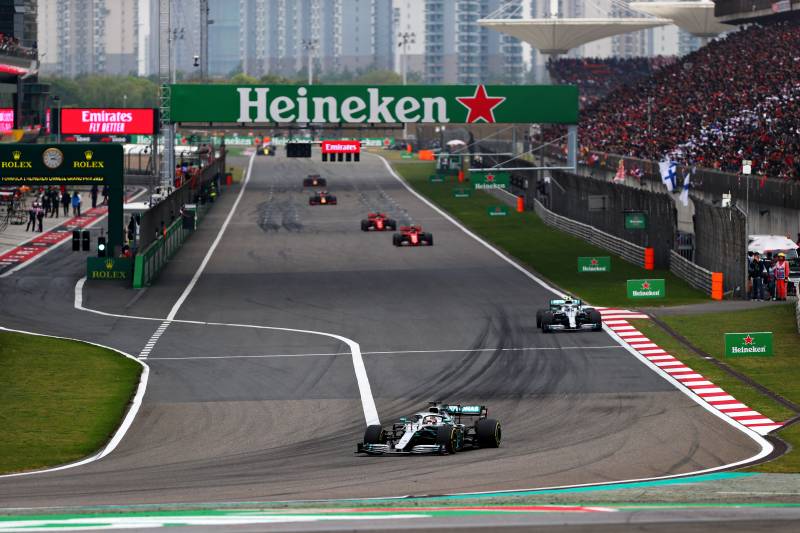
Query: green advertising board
x=109, y=268
x=69, y=164
x=748, y=344
x=487, y=180
x=497, y=211
x=594, y=264
x=646, y=289
x=635, y=220
x=406, y=155
x=384, y=104
x=436, y=178
x=462, y=193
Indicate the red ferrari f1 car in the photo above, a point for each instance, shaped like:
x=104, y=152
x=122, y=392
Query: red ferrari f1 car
x=313, y=180
x=322, y=198
x=412, y=236
x=378, y=222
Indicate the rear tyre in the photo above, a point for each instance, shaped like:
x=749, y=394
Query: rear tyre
x=547, y=321
x=448, y=438
x=397, y=239
x=322, y=182
x=374, y=435
x=391, y=224
x=307, y=183
x=365, y=225
x=488, y=433
x=429, y=238
x=539, y=314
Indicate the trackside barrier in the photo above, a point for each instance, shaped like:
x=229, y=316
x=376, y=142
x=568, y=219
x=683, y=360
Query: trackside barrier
x=148, y=264
x=696, y=276
x=797, y=307
x=649, y=259
x=633, y=253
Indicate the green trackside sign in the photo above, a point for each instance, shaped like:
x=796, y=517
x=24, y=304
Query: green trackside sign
x=748, y=344
x=108, y=268
x=497, y=211
x=436, y=178
x=482, y=181
x=383, y=104
x=646, y=288
x=635, y=220
x=594, y=264
x=462, y=193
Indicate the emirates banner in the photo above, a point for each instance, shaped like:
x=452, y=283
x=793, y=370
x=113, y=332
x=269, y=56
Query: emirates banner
x=384, y=104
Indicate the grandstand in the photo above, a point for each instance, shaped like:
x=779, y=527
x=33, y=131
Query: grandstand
x=736, y=98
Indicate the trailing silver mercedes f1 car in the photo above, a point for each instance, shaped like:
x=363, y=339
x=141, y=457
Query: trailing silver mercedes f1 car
x=441, y=429
x=568, y=314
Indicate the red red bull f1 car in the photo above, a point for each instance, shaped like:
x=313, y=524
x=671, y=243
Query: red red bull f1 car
x=412, y=236
x=441, y=429
x=313, y=180
x=378, y=222
x=322, y=198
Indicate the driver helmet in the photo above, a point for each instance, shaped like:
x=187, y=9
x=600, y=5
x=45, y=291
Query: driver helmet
x=430, y=419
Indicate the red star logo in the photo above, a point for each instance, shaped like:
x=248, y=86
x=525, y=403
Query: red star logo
x=748, y=339
x=480, y=105
x=646, y=285
x=490, y=177
x=594, y=261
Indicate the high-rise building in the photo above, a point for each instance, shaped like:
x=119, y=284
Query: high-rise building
x=89, y=37
x=409, y=20
x=458, y=50
x=18, y=19
x=277, y=35
x=223, y=37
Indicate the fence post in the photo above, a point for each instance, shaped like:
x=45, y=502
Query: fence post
x=649, y=259
x=716, y=286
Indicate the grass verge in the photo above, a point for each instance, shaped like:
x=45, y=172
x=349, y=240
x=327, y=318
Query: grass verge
x=705, y=331
x=60, y=400
x=550, y=252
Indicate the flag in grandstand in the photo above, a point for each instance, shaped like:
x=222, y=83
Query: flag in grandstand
x=687, y=182
x=636, y=172
x=668, y=170
x=620, y=175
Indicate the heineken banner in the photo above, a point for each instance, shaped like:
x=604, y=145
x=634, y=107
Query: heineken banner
x=489, y=180
x=384, y=104
x=744, y=344
x=646, y=288
x=462, y=192
x=436, y=178
x=594, y=264
x=635, y=220
x=497, y=211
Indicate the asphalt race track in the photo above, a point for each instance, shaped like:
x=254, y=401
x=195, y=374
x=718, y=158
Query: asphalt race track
x=245, y=414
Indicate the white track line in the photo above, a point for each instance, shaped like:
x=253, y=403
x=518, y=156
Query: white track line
x=766, y=446
x=395, y=352
x=136, y=402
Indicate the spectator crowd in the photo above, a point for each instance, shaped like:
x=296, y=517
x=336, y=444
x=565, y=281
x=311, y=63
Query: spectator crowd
x=737, y=98
x=11, y=46
x=597, y=77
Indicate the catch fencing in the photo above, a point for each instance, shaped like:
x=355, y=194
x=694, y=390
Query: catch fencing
x=632, y=253
x=193, y=191
x=721, y=244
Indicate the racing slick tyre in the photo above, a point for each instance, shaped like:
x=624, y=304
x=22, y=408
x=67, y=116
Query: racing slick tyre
x=488, y=433
x=392, y=225
x=427, y=237
x=547, y=321
x=596, y=319
x=322, y=182
x=397, y=239
x=450, y=438
x=307, y=183
x=365, y=225
x=539, y=314
x=374, y=435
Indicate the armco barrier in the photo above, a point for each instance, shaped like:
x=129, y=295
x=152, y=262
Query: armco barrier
x=696, y=276
x=633, y=253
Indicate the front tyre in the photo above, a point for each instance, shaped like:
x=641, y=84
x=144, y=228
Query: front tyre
x=449, y=438
x=374, y=435
x=596, y=319
x=488, y=433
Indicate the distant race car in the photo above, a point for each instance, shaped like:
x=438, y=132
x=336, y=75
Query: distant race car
x=412, y=236
x=378, y=222
x=266, y=149
x=322, y=198
x=568, y=314
x=313, y=180
x=442, y=429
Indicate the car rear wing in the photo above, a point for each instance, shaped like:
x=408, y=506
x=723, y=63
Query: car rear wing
x=458, y=410
x=411, y=228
